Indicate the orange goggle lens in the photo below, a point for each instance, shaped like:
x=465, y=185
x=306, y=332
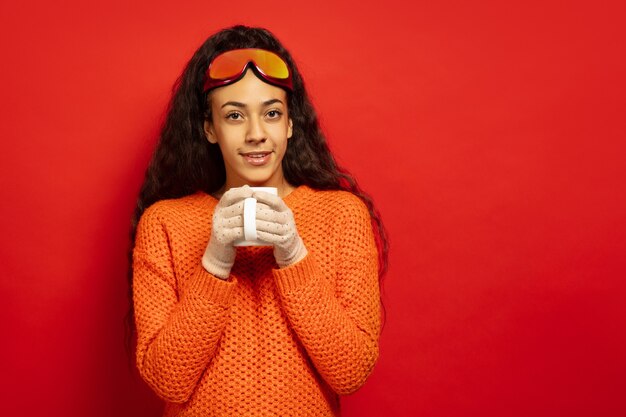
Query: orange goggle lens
x=230, y=66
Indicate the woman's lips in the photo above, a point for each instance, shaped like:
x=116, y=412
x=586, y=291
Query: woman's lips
x=257, y=158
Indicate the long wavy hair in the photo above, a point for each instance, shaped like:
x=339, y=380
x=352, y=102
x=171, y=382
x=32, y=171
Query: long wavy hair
x=184, y=161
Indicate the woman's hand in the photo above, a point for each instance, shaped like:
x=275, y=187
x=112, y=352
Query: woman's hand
x=219, y=256
x=275, y=224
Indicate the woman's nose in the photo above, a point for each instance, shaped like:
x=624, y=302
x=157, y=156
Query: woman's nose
x=256, y=131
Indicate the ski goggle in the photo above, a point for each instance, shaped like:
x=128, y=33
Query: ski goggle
x=230, y=66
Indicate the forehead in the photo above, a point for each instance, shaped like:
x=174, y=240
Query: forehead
x=248, y=90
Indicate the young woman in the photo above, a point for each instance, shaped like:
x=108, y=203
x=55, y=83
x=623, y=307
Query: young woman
x=282, y=329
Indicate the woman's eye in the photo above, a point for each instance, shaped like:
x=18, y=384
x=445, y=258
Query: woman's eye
x=233, y=116
x=273, y=114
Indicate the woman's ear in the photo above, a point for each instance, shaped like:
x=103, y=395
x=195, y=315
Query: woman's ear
x=209, y=132
x=290, y=129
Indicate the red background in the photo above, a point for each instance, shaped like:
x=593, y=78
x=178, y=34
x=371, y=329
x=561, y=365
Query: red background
x=491, y=136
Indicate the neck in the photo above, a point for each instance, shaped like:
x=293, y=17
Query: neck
x=283, y=188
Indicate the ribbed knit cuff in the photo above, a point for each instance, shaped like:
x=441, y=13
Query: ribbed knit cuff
x=204, y=285
x=295, y=276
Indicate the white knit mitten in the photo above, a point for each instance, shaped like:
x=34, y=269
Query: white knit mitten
x=275, y=224
x=219, y=256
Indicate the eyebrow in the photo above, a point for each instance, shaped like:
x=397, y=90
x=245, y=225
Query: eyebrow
x=242, y=105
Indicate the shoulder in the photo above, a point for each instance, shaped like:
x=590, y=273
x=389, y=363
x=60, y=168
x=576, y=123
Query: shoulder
x=345, y=200
x=349, y=220
x=340, y=202
x=170, y=219
x=175, y=209
x=334, y=206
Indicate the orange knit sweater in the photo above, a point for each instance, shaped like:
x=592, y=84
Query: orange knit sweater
x=267, y=341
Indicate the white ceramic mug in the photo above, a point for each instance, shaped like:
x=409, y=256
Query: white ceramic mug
x=249, y=219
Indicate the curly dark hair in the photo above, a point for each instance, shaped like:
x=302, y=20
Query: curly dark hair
x=184, y=161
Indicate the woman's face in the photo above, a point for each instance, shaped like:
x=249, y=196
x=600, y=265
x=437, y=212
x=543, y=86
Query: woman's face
x=250, y=123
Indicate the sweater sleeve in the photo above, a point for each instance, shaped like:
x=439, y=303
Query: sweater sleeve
x=178, y=330
x=338, y=325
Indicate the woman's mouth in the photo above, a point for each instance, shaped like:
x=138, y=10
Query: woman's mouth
x=257, y=158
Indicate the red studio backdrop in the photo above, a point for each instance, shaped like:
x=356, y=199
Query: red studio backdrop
x=491, y=136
